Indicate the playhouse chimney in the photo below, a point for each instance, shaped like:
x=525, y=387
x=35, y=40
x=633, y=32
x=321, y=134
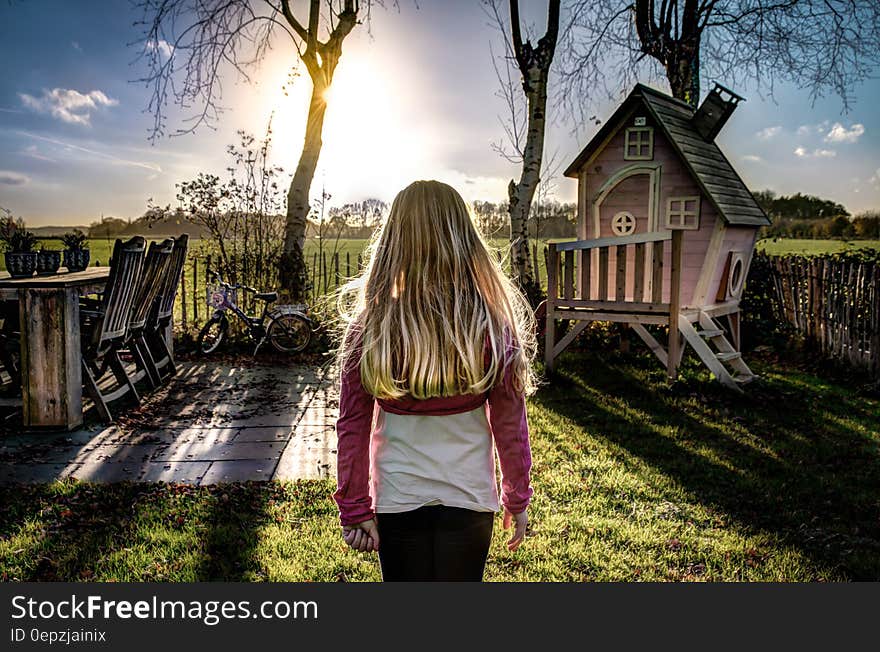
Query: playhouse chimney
x=714, y=111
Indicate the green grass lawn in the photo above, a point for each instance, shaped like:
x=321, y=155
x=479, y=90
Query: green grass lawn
x=789, y=246
x=633, y=481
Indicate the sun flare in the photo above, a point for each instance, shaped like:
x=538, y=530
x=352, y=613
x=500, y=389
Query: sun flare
x=373, y=142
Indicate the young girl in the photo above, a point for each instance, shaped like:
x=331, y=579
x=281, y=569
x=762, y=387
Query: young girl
x=435, y=365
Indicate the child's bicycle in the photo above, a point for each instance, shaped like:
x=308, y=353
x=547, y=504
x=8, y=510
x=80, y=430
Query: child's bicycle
x=286, y=327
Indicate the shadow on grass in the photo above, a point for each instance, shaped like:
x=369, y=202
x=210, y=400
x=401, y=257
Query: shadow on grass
x=71, y=525
x=236, y=513
x=796, y=456
x=75, y=531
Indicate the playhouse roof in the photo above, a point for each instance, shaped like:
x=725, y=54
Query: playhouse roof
x=708, y=165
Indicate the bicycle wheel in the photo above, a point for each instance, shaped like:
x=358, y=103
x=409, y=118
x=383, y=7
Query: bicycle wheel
x=212, y=335
x=289, y=333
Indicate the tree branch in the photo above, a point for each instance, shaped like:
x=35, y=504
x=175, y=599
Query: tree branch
x=294, y=23
x=519, y=49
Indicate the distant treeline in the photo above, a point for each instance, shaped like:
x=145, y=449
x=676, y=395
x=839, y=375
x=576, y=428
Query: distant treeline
x=549, y=219
x=359, y=219
x=792, y=216
x=114, y=227
x=807, y=216
x=352, y=221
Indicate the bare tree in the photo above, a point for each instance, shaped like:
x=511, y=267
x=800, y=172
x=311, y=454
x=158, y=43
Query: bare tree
x=526, y=128
x=241, y=217
x=187, y=44
x=824, y=46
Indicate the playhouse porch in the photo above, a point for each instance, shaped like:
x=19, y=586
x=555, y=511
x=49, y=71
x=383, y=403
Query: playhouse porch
x=584, y=286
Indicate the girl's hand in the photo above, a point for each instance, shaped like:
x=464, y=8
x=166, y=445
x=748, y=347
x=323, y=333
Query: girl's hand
x=519, y=532
x=363, y=537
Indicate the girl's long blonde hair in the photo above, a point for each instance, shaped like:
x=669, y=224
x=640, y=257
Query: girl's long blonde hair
x=432, y=295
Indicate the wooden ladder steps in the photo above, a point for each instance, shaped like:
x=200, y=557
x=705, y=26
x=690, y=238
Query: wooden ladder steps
x=724, y=356
x=707, y=332
x=742, y=379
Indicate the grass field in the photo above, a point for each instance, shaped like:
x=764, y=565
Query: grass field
x=789, y=246
x=633, y=481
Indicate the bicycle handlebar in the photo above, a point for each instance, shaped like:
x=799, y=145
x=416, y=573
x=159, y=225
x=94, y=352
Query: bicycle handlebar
x=219, y=279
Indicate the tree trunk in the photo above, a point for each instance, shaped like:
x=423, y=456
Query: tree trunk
x=684, y=79
x=320, y=60
x=293, y=272
x=683, y=73
x=679, y=53
x=520, y=195
x=534, y=65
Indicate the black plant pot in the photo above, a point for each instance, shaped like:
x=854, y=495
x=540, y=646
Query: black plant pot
x=21, y=265
x=76, y=260
x=48, y=262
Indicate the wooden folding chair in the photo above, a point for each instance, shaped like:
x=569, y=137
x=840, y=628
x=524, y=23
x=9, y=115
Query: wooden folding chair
x=10, y=345
x=152, y=280
x=104, y=330
x=160, y=319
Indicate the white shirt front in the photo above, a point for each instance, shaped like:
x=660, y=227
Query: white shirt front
x=418, y=460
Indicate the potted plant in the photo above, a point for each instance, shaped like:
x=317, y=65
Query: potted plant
x=76, y=251
x=21, y=259
x=48, y=261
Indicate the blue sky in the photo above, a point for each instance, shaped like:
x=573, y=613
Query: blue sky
x=415, y=100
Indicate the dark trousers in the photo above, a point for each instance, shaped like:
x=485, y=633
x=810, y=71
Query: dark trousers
x=435, y=542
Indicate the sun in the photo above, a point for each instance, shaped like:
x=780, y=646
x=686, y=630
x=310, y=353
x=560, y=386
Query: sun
x=373, y=137
x=369, y=130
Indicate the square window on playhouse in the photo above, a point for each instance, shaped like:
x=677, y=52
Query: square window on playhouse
x=683, y=213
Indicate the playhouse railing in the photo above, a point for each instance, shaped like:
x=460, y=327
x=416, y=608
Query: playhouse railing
x=642, y=303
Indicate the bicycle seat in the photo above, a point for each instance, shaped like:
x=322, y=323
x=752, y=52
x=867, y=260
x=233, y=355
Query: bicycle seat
x=268, y=297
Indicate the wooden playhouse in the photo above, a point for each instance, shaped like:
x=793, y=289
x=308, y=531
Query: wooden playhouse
x=666, y=232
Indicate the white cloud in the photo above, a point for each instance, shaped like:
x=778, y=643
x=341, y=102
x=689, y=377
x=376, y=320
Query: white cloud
x=819, y=128
x=68, y=105
x=816, y=153
x=162, y=46
x=76, y=46
x=752, y=158
x=768, y=132
x=10, y=178
x=840, y=134
x=875, y=180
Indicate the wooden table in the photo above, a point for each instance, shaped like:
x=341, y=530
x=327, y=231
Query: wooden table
x=51, y=372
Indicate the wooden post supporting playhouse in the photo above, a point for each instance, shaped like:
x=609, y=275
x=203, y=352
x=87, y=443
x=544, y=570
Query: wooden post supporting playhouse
x=552, y=294
x=673, y=356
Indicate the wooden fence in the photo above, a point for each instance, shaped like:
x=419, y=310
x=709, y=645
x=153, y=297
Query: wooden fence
x=833, y=304
x=326, y=272
x=329, y=270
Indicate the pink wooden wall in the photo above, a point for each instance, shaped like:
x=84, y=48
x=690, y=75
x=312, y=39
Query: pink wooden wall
x=632, y=195
x=736, y=238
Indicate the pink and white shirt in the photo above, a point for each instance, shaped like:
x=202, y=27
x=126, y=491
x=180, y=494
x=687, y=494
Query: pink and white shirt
x=388, y=462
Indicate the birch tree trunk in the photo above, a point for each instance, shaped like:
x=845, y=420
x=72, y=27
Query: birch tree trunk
x=534, y=65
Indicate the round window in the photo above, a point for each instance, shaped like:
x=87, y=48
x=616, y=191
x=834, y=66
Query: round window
x=735, y=279
x=623, y=223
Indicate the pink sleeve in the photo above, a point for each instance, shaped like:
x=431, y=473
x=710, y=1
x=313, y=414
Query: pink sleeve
x=510, y=429
x=353, y=448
